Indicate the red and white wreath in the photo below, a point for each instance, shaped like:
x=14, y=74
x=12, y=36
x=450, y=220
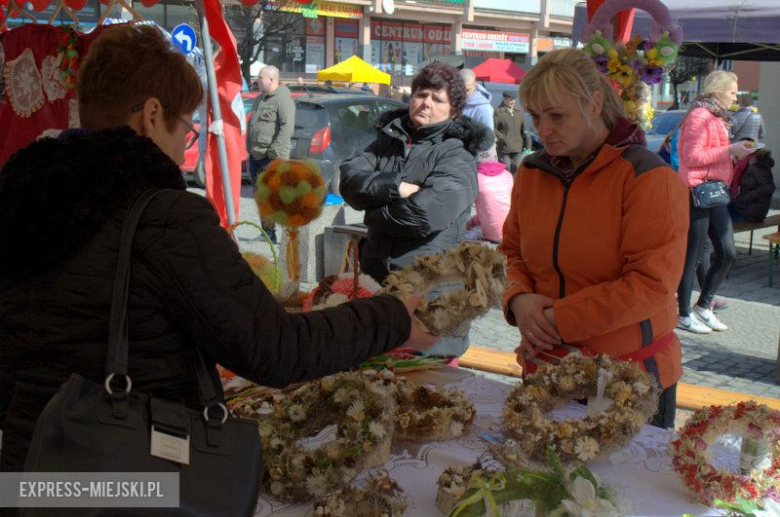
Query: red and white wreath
x=755, y=422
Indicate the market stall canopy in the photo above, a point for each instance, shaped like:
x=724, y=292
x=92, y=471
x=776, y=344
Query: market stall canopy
x=499, y=71
x=353, y=70
x=715, y=29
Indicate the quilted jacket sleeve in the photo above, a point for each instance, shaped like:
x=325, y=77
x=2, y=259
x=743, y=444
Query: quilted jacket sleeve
x=447, y=192
x=211, y=290
x=519, y=279
x=695, y=148
x=363, y=184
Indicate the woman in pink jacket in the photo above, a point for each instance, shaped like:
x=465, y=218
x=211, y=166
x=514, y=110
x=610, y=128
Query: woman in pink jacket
x=705, y=155
x=494, y=198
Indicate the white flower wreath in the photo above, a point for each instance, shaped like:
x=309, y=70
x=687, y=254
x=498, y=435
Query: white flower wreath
x=480, y=268
x=431, y=413
x=361, y=405
x=628, y=398
x=380, y=495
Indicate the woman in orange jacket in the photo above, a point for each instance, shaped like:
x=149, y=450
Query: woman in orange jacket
x=595, y=238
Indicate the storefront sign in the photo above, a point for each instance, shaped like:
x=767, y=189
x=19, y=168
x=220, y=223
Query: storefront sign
x=315, y=27
x=317, y=8
x=410, y=31
x=490, y=41
x=441, y=34
x=347, y=28
x=547, y=44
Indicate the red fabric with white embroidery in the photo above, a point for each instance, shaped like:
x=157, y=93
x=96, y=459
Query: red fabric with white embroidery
x=32, y=95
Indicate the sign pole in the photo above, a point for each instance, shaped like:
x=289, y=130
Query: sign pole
x=216, y=113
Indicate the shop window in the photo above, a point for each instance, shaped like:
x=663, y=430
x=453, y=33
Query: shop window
x=176, y=14
x=155, y=13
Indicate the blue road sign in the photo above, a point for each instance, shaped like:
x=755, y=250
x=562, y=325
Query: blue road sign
x=184, y=37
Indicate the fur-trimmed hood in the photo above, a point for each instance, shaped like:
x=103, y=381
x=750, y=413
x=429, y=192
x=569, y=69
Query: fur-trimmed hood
x=56, y=193
x=476, y=137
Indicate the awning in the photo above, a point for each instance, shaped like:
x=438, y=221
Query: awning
x=353, y=70
x=499, y=71
x=715, y=29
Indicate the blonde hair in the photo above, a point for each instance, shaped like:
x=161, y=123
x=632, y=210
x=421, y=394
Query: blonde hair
x=570, y=72
x=719, y=81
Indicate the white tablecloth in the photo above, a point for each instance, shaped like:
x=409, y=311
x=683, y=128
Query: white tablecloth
x=641, y=474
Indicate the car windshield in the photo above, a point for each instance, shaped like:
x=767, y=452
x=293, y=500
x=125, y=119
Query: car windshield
x=664, y=123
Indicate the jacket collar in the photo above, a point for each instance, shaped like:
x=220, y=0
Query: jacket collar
x=476, y=137
x=57, y=193
x=624, y=133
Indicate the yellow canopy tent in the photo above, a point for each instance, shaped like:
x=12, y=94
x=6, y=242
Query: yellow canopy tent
x=353, y=70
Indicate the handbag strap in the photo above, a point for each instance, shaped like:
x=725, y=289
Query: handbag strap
x=118, y=342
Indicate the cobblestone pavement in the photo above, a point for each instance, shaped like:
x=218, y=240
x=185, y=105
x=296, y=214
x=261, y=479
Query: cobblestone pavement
x=742, y=359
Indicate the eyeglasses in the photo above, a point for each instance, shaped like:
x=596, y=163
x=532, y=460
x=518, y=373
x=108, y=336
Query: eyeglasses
x=192, y=133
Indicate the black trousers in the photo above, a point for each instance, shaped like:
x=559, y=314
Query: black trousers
x=714, y=222
x=667, y=407
x=511, y=161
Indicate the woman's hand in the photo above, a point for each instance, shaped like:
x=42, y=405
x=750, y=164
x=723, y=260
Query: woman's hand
x=407, y=189
x=418, y=339
x=535, y=320
x=739, y=151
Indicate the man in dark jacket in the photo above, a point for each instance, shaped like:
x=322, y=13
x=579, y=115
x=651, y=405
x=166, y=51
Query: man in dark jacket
x=418, y=180
x=511, y=136
x=62, y=205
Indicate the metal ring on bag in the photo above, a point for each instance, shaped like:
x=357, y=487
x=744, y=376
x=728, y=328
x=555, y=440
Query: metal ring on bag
x=111, y=377
x=224, y=409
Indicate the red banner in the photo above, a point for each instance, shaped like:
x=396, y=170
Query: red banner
x=228, y=72
x=315, y=26
x=438, y=34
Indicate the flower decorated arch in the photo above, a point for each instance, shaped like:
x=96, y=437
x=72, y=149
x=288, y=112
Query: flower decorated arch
x=637, y=64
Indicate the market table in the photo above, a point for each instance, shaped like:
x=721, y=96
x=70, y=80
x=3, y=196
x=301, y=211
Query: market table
x=641, y=474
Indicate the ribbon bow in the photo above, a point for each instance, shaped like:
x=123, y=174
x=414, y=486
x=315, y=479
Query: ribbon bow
x=484, y=489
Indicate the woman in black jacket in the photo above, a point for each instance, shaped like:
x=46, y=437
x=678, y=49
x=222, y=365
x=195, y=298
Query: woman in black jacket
x=418, y=180
x=62, y=204
x=753, y=187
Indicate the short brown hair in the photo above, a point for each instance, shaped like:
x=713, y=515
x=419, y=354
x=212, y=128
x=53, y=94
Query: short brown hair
x=125, y=66
x=438, y=75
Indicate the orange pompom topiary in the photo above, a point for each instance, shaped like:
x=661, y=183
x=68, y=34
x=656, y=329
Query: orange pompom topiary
x=291, y=192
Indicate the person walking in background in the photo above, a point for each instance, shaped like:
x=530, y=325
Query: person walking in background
x=417, y=181
x=478, y=99
x=705, y=155
x=672, y=157
x=747, y=123
x=511, y=135
x=595, y=236
x=752, y=187
x=271, y=128
x=495, y=189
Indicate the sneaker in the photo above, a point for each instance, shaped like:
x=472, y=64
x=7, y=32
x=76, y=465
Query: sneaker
x=718, y=305
x=708, y=318
x=692, y=324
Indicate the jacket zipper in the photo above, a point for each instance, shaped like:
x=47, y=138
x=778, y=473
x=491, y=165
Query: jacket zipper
x=556, y=241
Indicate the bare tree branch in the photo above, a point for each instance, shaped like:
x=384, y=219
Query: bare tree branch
x=254, y=26
x=687, y=69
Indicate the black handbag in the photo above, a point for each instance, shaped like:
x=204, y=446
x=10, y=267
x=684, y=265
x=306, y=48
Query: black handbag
x=710, y=194
x=90, y=427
